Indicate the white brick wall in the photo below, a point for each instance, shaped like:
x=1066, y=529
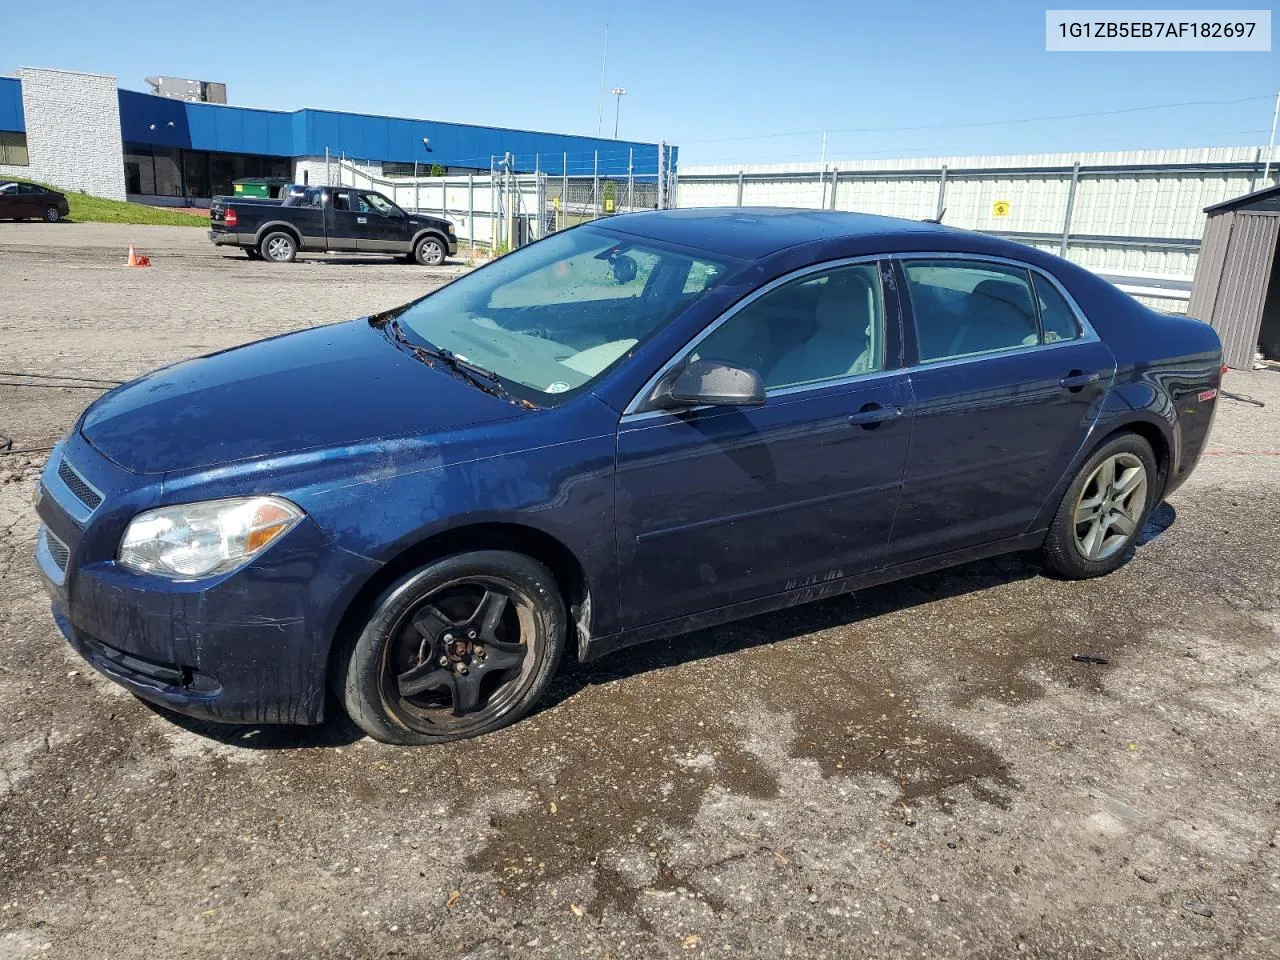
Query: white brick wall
x=73, y=131
x=311, y=170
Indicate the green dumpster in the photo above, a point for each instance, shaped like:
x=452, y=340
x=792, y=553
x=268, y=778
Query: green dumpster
x=265, y=187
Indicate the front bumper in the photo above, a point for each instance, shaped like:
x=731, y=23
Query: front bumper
x=251, y=646
x=453, y=246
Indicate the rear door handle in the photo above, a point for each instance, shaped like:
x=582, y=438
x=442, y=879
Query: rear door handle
x=1078, y=378
x=871, y=415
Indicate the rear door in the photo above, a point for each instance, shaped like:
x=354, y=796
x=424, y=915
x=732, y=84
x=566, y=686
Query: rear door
x=31, y=200
x=385, y=226
x=345, y=224
x=1007, y=383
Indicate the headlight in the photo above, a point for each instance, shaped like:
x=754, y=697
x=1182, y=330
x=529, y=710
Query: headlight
x=193, y=540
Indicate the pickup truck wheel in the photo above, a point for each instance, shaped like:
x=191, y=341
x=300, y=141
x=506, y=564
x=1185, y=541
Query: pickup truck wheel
x=429, y=252
x=278, y=247
x=454, y=649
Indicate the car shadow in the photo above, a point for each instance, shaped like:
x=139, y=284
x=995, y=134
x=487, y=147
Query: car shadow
x=846, y=610
x=841, y=611
x=338, y=730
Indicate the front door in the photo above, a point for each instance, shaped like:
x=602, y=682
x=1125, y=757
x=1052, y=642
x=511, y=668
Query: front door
x=718, y=505
x=1007, y=386
x=385, y=225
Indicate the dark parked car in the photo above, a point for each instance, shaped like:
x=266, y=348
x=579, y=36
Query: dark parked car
x=621, y=432
x=329, y=218
x=30, y=201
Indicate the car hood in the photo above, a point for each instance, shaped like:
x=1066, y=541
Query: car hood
x=324, y=387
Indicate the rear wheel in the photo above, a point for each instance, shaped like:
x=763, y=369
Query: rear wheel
x=278, y=247
x=1102, y=512
x=51, y=214
x=460, y=647
x=429, y=252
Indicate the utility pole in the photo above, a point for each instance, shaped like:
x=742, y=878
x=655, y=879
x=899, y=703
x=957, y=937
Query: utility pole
x=822, y=173
x=1271, y=146
x=618, y=93
x=604, y=63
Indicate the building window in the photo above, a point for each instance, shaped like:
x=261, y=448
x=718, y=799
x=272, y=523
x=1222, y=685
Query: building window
x=13, y=148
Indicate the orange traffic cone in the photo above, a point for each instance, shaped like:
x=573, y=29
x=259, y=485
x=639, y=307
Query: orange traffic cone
x=136, y=259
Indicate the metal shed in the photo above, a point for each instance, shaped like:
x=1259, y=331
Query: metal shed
x=1235, y=287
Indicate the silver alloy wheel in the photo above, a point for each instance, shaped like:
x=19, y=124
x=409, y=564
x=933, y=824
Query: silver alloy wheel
x=431, y=253
x=1110, y=507
x=278, y=249
x=52, y=215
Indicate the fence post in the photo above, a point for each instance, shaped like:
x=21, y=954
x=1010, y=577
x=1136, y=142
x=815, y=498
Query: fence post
x=595, y=184
x=493, y=208
x=631, y=179
x=564, y=191
x=471, y=210
x=942, y=193
x=741, y=174
x=327, y=182
x=662, y=174
x=835, y=182
x=1071, y=203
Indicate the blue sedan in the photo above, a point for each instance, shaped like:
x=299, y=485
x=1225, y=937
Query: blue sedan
x=625, y=431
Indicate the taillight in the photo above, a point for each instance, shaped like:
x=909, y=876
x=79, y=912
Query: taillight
x=229, y=218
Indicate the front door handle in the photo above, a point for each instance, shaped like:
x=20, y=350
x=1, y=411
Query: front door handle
x=362, y=219
x=871, y=415
x=1077, y=379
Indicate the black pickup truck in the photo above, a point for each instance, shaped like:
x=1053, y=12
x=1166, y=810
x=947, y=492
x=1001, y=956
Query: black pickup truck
x=329, y=218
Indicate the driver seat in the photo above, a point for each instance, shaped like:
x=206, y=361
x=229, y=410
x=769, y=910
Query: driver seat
x=840, y=344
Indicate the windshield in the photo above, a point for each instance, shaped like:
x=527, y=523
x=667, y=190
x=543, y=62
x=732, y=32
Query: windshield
x=555, y=315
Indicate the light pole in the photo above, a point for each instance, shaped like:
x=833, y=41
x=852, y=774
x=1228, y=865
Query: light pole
x=618, y=93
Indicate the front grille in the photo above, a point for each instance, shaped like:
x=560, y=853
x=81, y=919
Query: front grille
x=58, y=551
x=78, y=487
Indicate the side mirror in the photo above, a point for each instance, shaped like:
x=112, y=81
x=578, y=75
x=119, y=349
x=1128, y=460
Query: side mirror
x=710, y=382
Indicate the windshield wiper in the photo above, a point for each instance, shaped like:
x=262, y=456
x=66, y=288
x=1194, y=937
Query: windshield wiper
x=463, y=369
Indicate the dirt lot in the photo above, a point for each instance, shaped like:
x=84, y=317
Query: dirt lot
x=917, y=770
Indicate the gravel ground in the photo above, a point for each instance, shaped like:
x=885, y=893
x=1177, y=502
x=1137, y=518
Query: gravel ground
x=920, y=769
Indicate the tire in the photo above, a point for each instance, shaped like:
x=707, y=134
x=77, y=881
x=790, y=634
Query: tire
x=1103, y=511
x=252, y=253
x=51, y=214
x=430, y=251
x=474, y=637
x=278, y=247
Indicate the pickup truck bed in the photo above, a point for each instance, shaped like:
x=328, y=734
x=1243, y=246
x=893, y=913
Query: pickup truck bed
x=319, y=219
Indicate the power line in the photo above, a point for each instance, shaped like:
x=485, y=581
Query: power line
x=989, y=123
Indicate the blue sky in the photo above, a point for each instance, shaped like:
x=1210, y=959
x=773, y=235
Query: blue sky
x=697, y=73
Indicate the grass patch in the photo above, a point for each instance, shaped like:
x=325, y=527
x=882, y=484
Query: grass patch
x=87, y=209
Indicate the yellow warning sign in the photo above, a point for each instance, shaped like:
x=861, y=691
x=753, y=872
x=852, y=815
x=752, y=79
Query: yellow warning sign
x=1000, y=208
x=608, y=205
x=555, y=203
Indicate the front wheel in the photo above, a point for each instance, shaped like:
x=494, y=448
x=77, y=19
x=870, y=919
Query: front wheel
x=460, y=647
x=429, y=252
x=278, y=247
x=51, y=214
x=1102, y=512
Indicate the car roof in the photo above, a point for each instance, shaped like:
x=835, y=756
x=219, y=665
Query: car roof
x=754, y=232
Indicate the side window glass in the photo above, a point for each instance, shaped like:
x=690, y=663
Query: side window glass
x=964, y=309
x=822, y=327
x=1056, y=316
x=374, y=203
x=342, y=200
